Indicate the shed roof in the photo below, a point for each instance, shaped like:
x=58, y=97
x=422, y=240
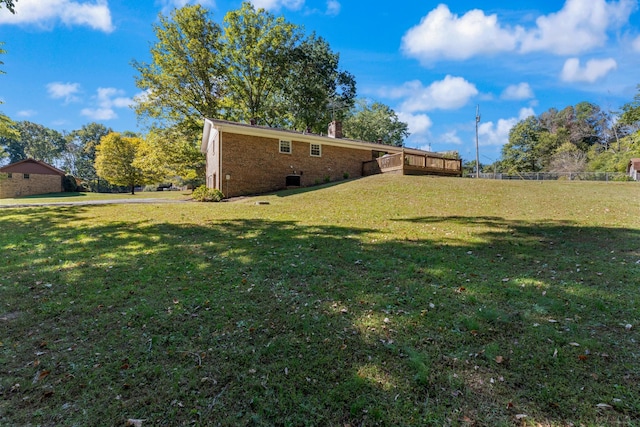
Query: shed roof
x=32, y=166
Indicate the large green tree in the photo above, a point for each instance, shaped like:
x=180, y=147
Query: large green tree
x=81, y=152
x=317, y=91
x=374, y=121
x=185, y=80
x=521, y=153
x=258, y=49
x=118, y=161
x=33, y=140
x=172, y=153
x=630, y=114
x=255, y=66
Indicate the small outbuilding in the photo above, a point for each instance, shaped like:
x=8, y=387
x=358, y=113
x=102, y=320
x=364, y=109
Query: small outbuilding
x=633, y=169
x=29, y=177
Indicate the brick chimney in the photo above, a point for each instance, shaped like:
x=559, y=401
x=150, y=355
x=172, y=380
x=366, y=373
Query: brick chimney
x=335, y=129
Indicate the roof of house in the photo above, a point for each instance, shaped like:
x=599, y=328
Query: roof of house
x=264, y=131
x=32, y=166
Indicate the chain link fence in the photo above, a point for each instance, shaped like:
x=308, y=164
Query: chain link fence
x=557, y=176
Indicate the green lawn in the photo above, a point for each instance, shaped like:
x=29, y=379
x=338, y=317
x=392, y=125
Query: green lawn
x=387, y=300
x=87, y=197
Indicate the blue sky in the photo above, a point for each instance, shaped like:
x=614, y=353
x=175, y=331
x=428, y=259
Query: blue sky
x=68, y=62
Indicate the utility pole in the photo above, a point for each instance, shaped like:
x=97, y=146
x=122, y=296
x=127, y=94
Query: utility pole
x=477, y=151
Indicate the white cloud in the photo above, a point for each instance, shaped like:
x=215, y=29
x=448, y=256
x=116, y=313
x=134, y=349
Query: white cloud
x=333, y=7
x=419, y=126
x=579, y=26
x=442, y=34
x=636, y=44
x=66, y=91
x=169, y=5
x=45, y=13
x=593, y=70
x=26, y=113
x=278, y=4
x=517, y=92
x=448, y=94
x=451, y=138
x=497, y=134
x=418, y=123
x=107, y=99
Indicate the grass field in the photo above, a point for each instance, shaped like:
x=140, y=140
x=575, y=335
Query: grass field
x=59, y=198
x=383, y=301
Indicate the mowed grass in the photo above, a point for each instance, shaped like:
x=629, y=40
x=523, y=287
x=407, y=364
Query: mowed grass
x=387, y=300
x=73, y=197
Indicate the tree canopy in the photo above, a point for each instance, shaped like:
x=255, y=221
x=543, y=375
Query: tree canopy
x=118, y=160
x=80, y=155
x=185, y=80
x=373, y=121
x=27, y=139
x=560, y=141
x=255, y=66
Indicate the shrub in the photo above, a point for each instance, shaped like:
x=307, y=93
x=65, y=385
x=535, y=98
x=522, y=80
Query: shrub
x=345, y=175
x=327, y=179
x=69, y=184
x=204, y=194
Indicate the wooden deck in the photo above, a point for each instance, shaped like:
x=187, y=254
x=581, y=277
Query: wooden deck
x=412, y=164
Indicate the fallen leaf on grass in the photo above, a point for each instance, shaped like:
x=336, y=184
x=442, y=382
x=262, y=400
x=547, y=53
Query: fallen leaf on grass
x=603, y=406
x=499, y=359
x=134, y=423
x=521, y=416
x=40, y=375
x=574, y=344
x=582, y=357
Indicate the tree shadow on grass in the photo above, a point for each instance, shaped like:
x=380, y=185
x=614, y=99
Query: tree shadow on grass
x=261, y=322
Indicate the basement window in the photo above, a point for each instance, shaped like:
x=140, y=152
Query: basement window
x=285, y=147
x=9, y=175
x=26, y=176
x=315, y=150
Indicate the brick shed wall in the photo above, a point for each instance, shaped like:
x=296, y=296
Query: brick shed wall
x=17, y=185
x=255, y=164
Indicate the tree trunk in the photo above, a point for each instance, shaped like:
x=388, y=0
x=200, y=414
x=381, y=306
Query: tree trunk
x=132, y=189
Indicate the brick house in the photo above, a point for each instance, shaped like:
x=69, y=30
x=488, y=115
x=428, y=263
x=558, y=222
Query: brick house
x=29, y=177
x=247, y=159
x=633, y=169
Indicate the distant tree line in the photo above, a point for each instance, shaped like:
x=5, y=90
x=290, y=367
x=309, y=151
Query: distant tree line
x=578, y=138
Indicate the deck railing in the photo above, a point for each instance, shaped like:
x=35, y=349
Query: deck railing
x=414, y=164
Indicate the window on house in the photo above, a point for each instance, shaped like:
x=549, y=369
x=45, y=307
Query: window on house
x=285, y=147
x=316, y=150
x=26, y=176
x=9, y=175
